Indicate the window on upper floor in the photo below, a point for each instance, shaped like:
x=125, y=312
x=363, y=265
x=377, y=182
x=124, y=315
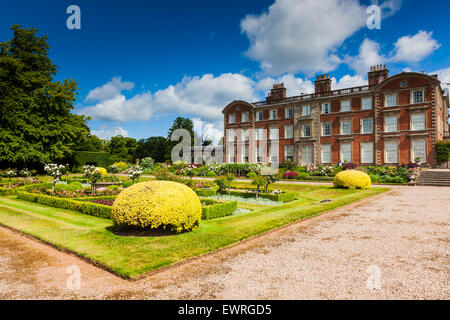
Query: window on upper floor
x=345, y=106
x=367, y=126
x=346, y=127
x=259, y=116
x=244, y=134
x=417, y=96
x=390, y=124
x=306, y=111
x=232, y=118
x=273, y=114
x=306, y=130
x=244, y=117
x=391, y=100
x=326, y=108
x=274, y=133
x=366, y=103
x=231, y=134
x=288, y=112
x=418, y=121
x=260, y=133
x=326, y=129
x=288, y=131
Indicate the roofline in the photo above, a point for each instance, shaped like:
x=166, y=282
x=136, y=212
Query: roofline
x=408, y=74
x=238, y=102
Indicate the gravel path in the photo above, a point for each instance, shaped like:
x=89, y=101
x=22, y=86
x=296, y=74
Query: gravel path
x=397, y=244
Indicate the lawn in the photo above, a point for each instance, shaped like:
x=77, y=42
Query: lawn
x=93, y=237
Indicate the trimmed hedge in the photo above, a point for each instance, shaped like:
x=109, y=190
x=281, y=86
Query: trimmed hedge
x=215, y=209
x=102, y=159
x=92, y=209
x=87, y=199
x=281, y=197
x=7, y=191
x=443, y=151
x=205, y=193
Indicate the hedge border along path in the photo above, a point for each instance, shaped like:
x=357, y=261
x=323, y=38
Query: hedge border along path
x=214, y=209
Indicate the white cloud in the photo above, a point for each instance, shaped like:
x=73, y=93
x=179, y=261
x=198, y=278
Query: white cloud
x=208, y=130
x=119, y=108
x=295, y=86
x=204, y=96
x=106, y=133
x=303, y=35
x=109, y=90
x=368, y=56
x=415, y=48
x=444, y=77
x=348, y=81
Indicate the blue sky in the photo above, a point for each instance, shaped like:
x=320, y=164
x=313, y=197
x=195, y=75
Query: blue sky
x=139, y=64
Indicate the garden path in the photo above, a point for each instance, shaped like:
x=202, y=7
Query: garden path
x=396, y=243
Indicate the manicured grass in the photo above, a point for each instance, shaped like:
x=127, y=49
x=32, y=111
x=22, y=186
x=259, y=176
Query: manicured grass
x=93, y=237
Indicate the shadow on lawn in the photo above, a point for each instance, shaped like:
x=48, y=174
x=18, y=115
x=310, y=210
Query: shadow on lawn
x=139, y=232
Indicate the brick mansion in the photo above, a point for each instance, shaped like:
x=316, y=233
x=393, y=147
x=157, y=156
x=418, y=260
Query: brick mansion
x=392, y=120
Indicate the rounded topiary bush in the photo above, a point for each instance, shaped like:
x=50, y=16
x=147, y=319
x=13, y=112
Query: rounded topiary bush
x=352, y=179
x=154, y=204
x=102, y=171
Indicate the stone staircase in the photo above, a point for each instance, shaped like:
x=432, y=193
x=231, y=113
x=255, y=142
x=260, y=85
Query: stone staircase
x=434, y=178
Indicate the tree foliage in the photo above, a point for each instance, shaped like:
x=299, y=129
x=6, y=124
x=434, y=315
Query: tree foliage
x=36, y=123
x=154, y=147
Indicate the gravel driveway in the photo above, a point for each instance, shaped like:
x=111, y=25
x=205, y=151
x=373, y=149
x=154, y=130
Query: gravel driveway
x=393, y=246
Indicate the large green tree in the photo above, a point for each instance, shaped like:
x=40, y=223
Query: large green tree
x=179, y=123
x=154, y=147
x=122, y=148
x=36, y=123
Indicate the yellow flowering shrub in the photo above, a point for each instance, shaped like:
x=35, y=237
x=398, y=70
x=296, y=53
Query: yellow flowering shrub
x=102, y=171
x=352, y=179
x=154, y=204
x=121, y=165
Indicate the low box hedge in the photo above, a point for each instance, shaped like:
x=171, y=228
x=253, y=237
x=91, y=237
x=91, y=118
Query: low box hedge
x=280, y=197
x=205, y=192
x=7, y=191
x=215, y=209
x=92, y=209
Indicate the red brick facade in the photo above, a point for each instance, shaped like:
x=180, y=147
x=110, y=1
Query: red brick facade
x=392, y=120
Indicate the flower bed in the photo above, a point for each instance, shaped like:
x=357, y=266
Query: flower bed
x=92, y=209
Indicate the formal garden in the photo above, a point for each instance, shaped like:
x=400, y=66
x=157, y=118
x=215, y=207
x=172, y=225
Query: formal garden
x=130, y=224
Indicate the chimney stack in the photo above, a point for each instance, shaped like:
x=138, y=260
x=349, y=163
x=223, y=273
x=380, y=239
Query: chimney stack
x=377, y=74
x=322, y=83
x=277, y=93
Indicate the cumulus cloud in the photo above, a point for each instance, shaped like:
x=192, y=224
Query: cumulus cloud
x=415, y=48
x=107, y=133
x=369, y=55
x=204, y=96
x=303, y=35
x=348, y=81
x=119, y=108
x=295, y=86
x=109, y=90
x=444, y=77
